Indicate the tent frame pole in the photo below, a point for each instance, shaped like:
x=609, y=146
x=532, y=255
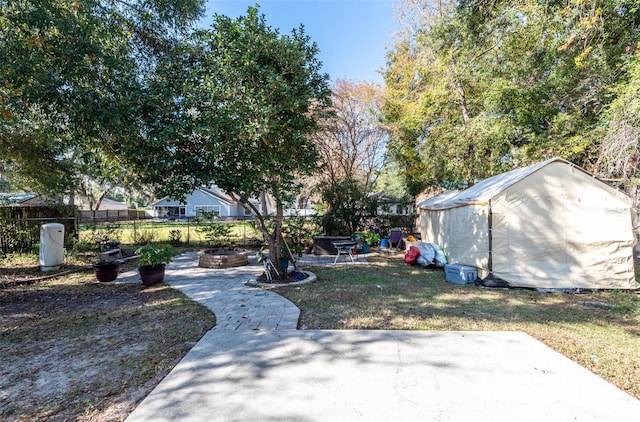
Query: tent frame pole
x=490, y=263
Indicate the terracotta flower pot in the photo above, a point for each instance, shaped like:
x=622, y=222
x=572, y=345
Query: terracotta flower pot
x=106, y=271
x=152, y=274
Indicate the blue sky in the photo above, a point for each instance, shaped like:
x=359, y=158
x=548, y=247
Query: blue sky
x=352, y=35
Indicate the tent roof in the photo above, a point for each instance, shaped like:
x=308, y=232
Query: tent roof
x=483, y=191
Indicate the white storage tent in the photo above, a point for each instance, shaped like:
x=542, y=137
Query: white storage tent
x=549, y=225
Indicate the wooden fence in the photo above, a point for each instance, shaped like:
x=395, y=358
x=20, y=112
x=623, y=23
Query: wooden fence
x=102, y=216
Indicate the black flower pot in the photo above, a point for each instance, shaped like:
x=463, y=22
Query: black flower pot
x=106, y=271
x=152, y=274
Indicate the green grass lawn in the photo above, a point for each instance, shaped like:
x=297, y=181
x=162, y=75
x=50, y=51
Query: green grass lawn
x=600, y=331
x=142, y=232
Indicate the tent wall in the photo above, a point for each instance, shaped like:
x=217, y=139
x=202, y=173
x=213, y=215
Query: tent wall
x=550, y=225
x=561, y=228
x=462, y=233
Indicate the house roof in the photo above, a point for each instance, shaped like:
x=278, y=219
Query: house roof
x=213, y=191
x=110, y=204
x=218, y=193
x=483, y=191
x=383, y=198
x=16, y=198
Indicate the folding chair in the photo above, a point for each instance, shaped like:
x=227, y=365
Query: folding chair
x=395, y=236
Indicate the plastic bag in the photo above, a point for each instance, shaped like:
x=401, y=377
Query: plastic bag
x=412, y=254
x=427, y=251
x=440, y=259
x=421, y=260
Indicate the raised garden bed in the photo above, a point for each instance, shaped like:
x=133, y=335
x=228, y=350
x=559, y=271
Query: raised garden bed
x=222, y=258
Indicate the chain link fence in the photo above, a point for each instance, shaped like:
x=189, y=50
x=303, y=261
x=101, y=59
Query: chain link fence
x=20, y=226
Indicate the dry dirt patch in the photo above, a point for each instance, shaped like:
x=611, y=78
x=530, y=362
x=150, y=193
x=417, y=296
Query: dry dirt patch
x=76, y=349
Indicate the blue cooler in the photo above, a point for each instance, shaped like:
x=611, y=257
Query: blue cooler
x=460, y=274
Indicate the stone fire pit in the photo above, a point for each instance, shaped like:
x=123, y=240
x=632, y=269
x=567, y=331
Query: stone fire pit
x=222, y=258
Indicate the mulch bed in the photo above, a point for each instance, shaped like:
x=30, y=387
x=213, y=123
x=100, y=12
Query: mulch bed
x=262, y=278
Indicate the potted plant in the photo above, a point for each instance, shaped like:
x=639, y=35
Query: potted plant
x=371, y=238
x=106, y=270
x=152, y=260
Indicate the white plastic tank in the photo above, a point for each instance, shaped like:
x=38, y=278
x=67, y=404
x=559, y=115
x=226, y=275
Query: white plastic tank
x=51, y=246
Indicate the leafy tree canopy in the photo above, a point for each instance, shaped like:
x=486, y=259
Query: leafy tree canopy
x=237, y=104
x=478, y=87
x=71, y=74
x=234, y=105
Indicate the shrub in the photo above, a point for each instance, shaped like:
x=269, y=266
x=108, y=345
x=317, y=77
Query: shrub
x=212, y=230
x=143, y=236
x=156, y=254
x=175, y=237
x=105, y=232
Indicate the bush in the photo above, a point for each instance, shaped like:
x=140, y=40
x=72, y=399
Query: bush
x=212, y=230
x=18, y=236
x=299, y=231
x=103, y=233
x=175, y=237
x=144, y=236
x=156, y=254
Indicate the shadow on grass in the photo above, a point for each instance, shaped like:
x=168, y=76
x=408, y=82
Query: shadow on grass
x=389, y=294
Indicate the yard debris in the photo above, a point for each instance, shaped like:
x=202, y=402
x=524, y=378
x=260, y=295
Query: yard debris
x=597, y=304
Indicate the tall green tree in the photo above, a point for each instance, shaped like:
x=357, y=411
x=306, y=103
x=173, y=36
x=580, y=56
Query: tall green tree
x=71, y=76
x=619, y=156
x=477, y=87
x=236, y=105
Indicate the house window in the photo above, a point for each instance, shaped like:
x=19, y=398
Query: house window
x=247, y=213
x=200, y=209
x=399, y=209
x=171, y=211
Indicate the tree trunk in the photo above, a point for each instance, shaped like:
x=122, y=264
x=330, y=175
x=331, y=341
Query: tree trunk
x=263, y=203
x=454, y=77
x=463, y=101
x=100, y=198
x=274, y=240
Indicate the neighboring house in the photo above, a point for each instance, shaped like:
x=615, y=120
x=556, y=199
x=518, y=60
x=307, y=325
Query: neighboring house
x=299, y=212
x=209, y=199
x=110, y=204
x=392, y=206
x=110, y=210
x=302, y=206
